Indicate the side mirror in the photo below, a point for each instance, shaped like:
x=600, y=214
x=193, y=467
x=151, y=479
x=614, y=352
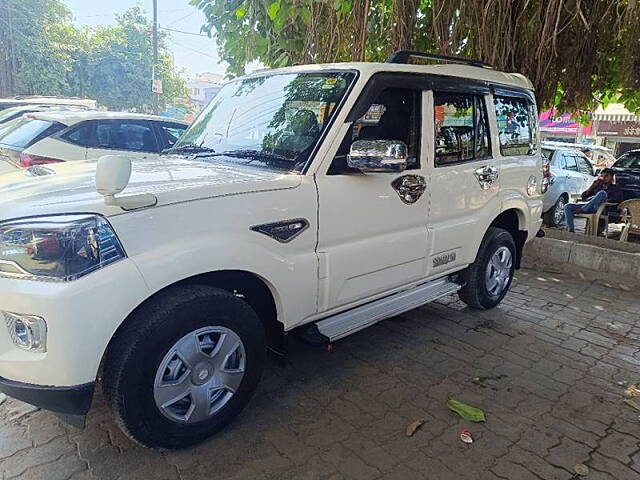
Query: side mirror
x=370, y=156
x=113, y=173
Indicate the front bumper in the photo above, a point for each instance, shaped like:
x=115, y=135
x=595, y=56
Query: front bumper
x=81, y=317
x=75, y=400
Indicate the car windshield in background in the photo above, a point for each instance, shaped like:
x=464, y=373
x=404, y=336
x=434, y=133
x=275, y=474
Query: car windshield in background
x=628, y=160
x=271, y=121
x=26, y=131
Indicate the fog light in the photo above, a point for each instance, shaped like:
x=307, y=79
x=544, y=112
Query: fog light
x=27, y=331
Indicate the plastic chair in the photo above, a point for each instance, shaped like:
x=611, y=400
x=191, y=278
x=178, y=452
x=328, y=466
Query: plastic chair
x=630, y=210
x=593, y=219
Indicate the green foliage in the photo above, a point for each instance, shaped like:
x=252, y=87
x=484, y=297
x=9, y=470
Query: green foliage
x=575, y=53
x=112, y=65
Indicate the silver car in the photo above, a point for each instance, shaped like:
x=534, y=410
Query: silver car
x=568, y=173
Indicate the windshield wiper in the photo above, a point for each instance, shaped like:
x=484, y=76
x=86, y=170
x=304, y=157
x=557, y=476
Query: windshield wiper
x=250, y=155
x=189, y=148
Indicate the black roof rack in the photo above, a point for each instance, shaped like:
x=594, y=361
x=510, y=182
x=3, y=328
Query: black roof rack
x=403, y=56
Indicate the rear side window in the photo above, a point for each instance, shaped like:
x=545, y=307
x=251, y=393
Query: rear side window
x=136, y=136
x=28, y=131
x=517, y=125
x=78, y=135
x=461, y=128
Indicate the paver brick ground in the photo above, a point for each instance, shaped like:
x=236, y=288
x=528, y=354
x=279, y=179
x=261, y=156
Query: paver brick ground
x=549, y=367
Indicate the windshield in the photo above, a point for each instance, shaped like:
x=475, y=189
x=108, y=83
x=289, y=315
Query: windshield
x=629, y=160
x=275, y=119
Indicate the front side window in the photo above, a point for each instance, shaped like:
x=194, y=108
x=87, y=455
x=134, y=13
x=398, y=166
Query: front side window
x=269, y=121
x=393, y=115
x=570, y=162
x=584, y=166
x=172, y=132
x=461, y=132
x=517, y=125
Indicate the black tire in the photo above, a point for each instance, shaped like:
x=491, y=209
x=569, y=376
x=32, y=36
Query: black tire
x=475, y=293
x=141, y=344
x=555, y=216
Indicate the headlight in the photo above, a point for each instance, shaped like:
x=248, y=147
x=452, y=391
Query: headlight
x=61, y=248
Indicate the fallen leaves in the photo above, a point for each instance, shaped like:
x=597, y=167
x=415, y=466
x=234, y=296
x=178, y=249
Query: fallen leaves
x=413, y=426
x=581, y=469
x=467, y=412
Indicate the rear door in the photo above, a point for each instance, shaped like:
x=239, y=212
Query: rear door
x=133, y=138
x=585, y=169
x=573, y=178
x=464, y=182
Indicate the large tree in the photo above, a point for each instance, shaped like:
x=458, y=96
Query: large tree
x=576, y=52
x=43, y=53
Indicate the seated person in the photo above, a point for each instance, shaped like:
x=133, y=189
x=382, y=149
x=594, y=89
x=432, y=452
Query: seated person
x=602, y=190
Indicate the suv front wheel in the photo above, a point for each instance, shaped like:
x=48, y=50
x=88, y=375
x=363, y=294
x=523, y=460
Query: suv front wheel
x=487, y=280
x=184, y=365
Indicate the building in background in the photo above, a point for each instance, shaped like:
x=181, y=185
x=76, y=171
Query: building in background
x=203, y=88
x=564, y=128
x=617, y=128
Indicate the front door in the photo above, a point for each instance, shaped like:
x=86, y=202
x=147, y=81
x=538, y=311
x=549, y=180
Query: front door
x=464, y=178
x=372, y=234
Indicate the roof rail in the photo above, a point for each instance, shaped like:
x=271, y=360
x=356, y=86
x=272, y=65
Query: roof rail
x=403, y=56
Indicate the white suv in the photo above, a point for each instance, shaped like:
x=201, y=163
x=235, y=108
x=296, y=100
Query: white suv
x=319, y=199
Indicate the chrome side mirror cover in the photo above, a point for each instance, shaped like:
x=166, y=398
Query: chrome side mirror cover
x=371, y=156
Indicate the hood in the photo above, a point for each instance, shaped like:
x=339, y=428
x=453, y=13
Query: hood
x=70, y=187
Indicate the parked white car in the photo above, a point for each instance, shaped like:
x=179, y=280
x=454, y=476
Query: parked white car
x=318, y=199
x=63, y=136
x=568, y=173
x=22, y=100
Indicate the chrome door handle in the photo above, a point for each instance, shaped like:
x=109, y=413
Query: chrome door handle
x=409, y=187
x=486, y=176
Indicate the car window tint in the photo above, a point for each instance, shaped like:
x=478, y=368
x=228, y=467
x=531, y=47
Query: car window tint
x=103, y=135
x=394, y=115
x=570, y=160
x=135, y=136
x=27, y=131
x=78, y=135
x=461, y=128
x=627, y=160
x=517, y=127
x=560, y=162
x=172, y=133
x=584, y=166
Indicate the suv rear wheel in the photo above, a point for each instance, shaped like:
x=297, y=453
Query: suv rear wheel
x=555, y=216
x=488, y=279
x=184, y=366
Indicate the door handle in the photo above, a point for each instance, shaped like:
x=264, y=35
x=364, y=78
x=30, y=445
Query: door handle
x=486, y=176
x=409, y=187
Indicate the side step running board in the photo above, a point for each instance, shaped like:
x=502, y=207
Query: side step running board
x=342, y=324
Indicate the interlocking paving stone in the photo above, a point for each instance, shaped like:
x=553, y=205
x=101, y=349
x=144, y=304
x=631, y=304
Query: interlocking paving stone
x=547, y=367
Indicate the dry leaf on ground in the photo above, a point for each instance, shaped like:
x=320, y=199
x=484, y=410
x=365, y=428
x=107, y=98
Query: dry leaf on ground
x=413, y=426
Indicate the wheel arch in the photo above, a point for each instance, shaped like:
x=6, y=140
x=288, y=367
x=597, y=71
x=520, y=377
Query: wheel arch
x=258, y=292
x=514, y=221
